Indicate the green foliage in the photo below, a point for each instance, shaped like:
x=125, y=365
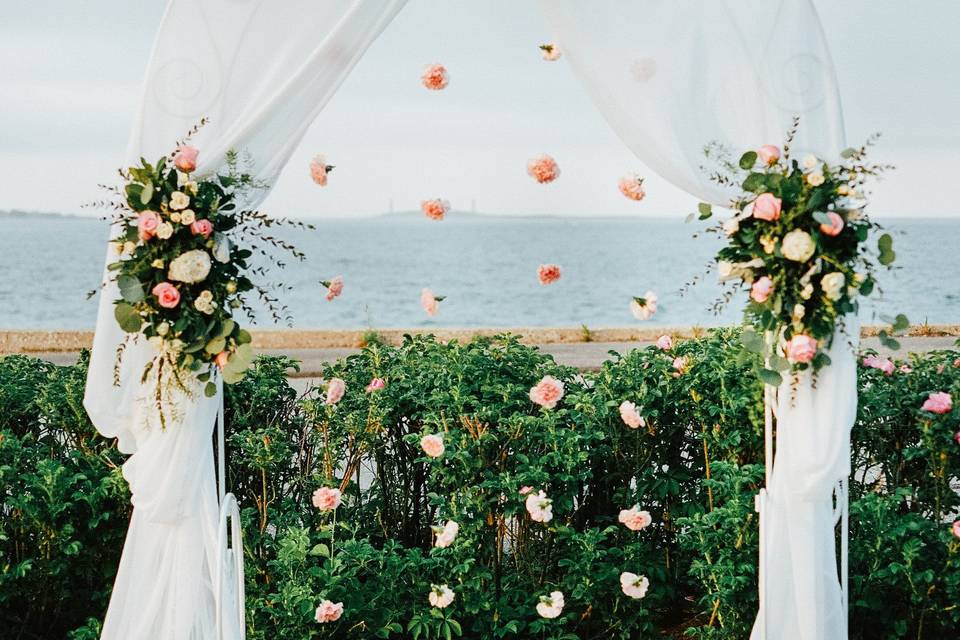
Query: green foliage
x=695, y=465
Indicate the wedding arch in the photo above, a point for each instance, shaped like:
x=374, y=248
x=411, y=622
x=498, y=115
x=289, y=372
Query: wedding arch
x=669, y=76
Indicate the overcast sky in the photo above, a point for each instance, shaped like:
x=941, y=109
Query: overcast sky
x=70, y=75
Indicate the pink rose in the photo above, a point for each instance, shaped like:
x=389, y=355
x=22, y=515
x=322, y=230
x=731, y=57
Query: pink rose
x=766, y=207
x=525, y=490
x=630, y=416
x=547, y=393
x=326, y=498
x=835, y=226
x=665, y=343
x=956, y=437
x=435, y=209
x=429, y=302
x=543, y=169
x=956, y=362
x=956, y=528
x=680, y=365
x=201, y=228
x=801, y=348
x=938, y=402
x=329, y=611
x=167, y=295
x=335, y=390
x=432, y=445
x=761, y=289
x=435, y=77
x=632, y=187
x=186, y=159
x=905, y=368
x=548, y=273
x=147, y=223
x=768, y=154
x=334, y=287
x=221, y=359
x=883, y=364
x=376, y=384
x=635, y=519
x=319, y=169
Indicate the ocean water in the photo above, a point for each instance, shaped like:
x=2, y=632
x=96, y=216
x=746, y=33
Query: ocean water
x=486, y=266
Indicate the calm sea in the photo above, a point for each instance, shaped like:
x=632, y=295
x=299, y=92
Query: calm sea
x=486, y=267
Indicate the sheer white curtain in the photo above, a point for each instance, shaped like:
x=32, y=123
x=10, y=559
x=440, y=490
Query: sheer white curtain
x=261, y=71
x=672, y=76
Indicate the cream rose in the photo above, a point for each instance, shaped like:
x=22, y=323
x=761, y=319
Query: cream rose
x=187, y=217
x=815, y=179
x=832, y=285
x=164, y=230
x=192, y=266
x=179, y=200
x=798, y=246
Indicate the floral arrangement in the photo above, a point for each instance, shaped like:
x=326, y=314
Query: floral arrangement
x=798, y=241
x=183, y=268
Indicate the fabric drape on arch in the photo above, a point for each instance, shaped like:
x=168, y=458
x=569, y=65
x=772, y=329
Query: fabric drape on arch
x=261, y=71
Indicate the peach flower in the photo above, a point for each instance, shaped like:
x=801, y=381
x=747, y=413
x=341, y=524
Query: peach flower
x=630, y=416
x=167, y=295
x=429, y=302
x=432, y=445
x=938, y=402
x=334, y=287
x=435, y=77
x=375, y=385
x=543, y=169
x=326, y=498
x=767, y=207
x=147, y=223
x=761, y=289
x=551, y=52
x=335, y=390
x=644, y=308
x=635, y=519
x=329, y=611
x=547, y=393
x=835, y=226
x=632, y=187
x=548, y=273
x=525, y=490
x=221, y=359
x=801, y=348
x=665, y=343
x=435, y=209
x=201, y=228
x=186, y=158
x=319, y=170
x=768, y=154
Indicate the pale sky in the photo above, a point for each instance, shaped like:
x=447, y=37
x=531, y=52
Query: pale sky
x=70, y=77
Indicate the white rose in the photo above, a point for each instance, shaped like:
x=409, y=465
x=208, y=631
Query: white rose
x=810, y=161
x=798, y=312
x=731, y=226
x=187, y=217
x=440, y=596
x=807, y=292
x=129, y=247
x=182, y=178
x=174, y=217
x=179, y=200
x=163, y=328
x=221, y=248
x=192, y=266
x=164, y=230
x=797, y=246
x=815, y=179
x=832, y=285
x=728, y=270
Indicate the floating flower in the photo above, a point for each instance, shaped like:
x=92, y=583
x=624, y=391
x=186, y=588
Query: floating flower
x=547, y=393
x=335, y=390
x=798, y=246
x=761, y=289
x=543, y=169
x=375, y=385
x=665, y=343
x=166, y=294
x=551, y=52
x=800, y=348
x=435, y=77
x=440, y=596
x=680, y=365
x=767, y=207
x=430, y=302
x=334, y=287
x=201, y=228
x=883, y=364
x=191, y=266
x=768, y=154
x=179, y=200
x=632, y=187
x=539, y=506
x=319, y=170
x=644, y=308
x=833, y=285
x=446, y=534
x=147, y=223
x=435, y=209
x=548, y=273
x=326, y=498
x=634, y=586
x=185, y=159
x=635, y=519
x=432, y=445
x=939, y=402
x=630, y=416
x=329, y=611
x=835, y=226
x=551, y=606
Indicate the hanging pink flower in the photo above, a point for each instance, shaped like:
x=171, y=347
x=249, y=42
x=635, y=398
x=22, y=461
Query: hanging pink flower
x=201, y=228
x=551, y=52
x=335, y=390
x=166, y=294
x=665, y=343
x=768, y=154
x=329, y=611
x=326, y=498
x=767, y=207
x=334, y=287
x=432, y=445
x=644, y=308
x=430, y=302
x=548, y=273
x=632, y=187
x=939, y=402
x=375, y=385
x=147, y=223
x=835, y=226
x=630, y=416
x=435, y=209
x=319, y=170
x=635, y=519
x=186, y=158
x=761, y=289
x=547, y=393
x=435, y=77
x=801, y=348
x=543, y=169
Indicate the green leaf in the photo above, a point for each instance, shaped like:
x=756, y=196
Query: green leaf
x=867, y=287
x=320, y=550
x=848, y=153
x=227, y=328
x=755, y=183
x=901, y=323
x=127, y=317
x=705, y=210
x=216, y=345
x=130, y=289
x=748, y=159
x=887, y=254
x=147, y=194
x=768, y=376
x=752, y=341
x=210, y=389
x=778, y=363
x=243, y=337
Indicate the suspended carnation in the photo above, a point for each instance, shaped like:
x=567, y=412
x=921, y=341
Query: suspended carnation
x=800, y=348
x=440, y=596
x=543, y=169
x=185, y=158
x=939, y=402
x=319, y=170
x=432, y=445
x=430, y=302
x=435, y=77
x=547, y=393
x=634, y=586
x=335, y=390
x=334, y=287
x=446, y=534
x=632, y=187
x=329, y=611
x=539, y=506
x=630, y=416
x=635, y=519
x=665, y=343
x=326, y=498
x=644, y=308
x=435, y=209
x=551, y=606
x=551, y=52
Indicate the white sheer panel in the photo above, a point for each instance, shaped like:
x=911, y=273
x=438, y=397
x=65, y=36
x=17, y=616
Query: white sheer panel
x=261, y=71
x=671, y=76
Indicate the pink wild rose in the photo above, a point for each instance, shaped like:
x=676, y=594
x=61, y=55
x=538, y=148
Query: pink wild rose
x=329, y=611
x=956, y=528
x=548, y=273
x=375, y=385
x=835, y=226
x=186, y=159
x=680, y=365
x=335, y=390
x=768, y=154
x=201, y=228
x=665, y=343
x=801, y=348
x=630, y=416
x=635, y=519
x=435, y=209
x=543, y=169
x=326, y=498
x=432, y=445
x=525, y=490
x=632, y=187
x=761, y=289
x=147, y=223
x=547, y=393
x=435, y=77
x=167, y=295
x=883, y=364
x=939, y=402
x=767, y=207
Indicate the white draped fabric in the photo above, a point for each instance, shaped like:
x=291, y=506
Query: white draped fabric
x=671, y=76
x=261, y=72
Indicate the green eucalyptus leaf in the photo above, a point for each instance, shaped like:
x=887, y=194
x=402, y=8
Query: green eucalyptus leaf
x=147, y=193
x=748, y=159
x=752, y=341
x=771, y=377
x=216, y=345
x=210, y=389
x=127, y=317
x=755, y=183
x=705, y=209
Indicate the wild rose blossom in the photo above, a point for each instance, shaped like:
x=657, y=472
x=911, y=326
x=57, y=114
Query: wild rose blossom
x=187, y=217
x=446, y=534
x=375, y=385
x=939, y=402
x=883, y=364
x=335, y=390
x=634, y=586
x=319, y=170
x=440, y=596
x=801, y=348
x=761, y=289
x=543, y=169
x=680, y=365
x=767, y=207
x=547, y=393
x=551, y=606
x=166, y=294
x=630, y=416
x=326, y=498
x=334, y=287
x=185, y=158
x=665, y=343
x=432, y=445
x=548, y=273
x=147, y=223
x=201, y=228
x=435, y=77
x=539, y=506
x=435, y=209
x=632, y=187
x=835, y=226
x=644, y=308
x=956, y=528
x=768, y=154
x=329, y=611
x=635, y=519
x=525, y=490
x=905, y=368
x=551, y=52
